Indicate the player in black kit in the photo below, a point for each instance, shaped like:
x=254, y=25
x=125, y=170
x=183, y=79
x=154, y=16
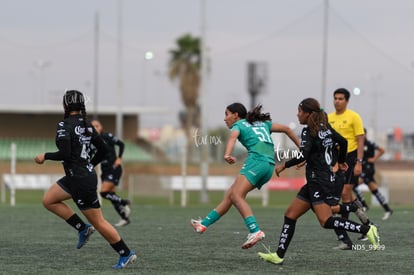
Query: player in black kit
x=318, y=143
x=111, y=167
x=368, y=173
x=74, y=136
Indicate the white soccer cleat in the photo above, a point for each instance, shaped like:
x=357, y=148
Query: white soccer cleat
x=253, y=238
x=198, y=227
x=387, y=215
x=122, y=223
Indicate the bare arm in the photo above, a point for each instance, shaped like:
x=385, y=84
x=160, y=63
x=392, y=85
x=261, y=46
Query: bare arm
x=229, y=147
x=285, y=129
x=360, y=154
x=381, y=152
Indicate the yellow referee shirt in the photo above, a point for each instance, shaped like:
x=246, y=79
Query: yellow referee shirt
x=349, y=125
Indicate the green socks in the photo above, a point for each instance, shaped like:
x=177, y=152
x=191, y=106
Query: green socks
x=211, y=218
x=251, y=224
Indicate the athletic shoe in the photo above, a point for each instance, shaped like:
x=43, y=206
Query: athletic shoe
x=363, y=238
x=253, y=238
x=198, y=227
x=373, y=236
x=387, y=215
x=125, y=261
x=85, y=234
x=122, y=222
x=344, y=246
x=271, y=258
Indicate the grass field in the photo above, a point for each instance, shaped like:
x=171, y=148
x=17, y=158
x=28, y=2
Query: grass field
x=33, y=241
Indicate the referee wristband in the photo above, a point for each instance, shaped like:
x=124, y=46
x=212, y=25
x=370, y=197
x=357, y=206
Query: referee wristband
x=359, y=160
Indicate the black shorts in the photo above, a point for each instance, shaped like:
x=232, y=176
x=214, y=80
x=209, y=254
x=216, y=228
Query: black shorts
x=320, y=188
x=368, y=173
x=348, y=176
x=82, y=189
x=111, y=174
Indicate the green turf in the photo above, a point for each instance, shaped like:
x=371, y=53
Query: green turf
x=275, y=198
x=33, y=241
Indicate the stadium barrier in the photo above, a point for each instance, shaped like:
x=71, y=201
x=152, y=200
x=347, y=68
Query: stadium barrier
x=165, y=186
x=15, y=182
x=214, y=183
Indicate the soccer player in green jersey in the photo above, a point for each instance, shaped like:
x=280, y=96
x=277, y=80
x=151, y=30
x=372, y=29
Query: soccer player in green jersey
x=253, y=130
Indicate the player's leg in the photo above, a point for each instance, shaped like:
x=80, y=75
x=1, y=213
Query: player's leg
x=360, y=197
x=341, y=179
x=200, y=225
x=238, y=194
x=373, y=187
x=296, y=209
x=110, y=180
x=111, y=235
x=53, y=201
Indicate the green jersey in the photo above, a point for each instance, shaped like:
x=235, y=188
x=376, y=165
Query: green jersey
x=256, y=138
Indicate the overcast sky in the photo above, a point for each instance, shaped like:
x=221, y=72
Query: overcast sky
x=47, y=46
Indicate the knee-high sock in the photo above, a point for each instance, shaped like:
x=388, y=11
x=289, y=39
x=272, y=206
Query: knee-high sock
x=121, y=248
x=345, y=224
x=251, y=224
x=211, y=218
x=76, y=222
x=360, y=196
x=116, y=202
x=111, y=196
x=288, y=230
x=119, y=208
x=381, y=199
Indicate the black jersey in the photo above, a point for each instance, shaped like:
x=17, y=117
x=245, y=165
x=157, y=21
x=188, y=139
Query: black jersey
x=369, y=151
x=319, y=152
x=73, y=141
x=111, y=155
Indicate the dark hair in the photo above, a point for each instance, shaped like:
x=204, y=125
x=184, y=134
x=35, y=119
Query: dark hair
x=238, y=108
x=257, y=115
x=318, y=119
x=343, y=91
x=74, y=100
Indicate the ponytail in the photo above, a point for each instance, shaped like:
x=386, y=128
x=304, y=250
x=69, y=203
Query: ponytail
x=257, y=115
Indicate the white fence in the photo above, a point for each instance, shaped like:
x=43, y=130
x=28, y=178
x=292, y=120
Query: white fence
x=169, y=184
x=15, y=182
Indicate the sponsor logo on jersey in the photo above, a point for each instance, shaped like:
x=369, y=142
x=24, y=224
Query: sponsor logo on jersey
x=79, y=130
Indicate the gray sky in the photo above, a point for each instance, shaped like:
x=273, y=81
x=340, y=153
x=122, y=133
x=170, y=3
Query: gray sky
x=46, y=47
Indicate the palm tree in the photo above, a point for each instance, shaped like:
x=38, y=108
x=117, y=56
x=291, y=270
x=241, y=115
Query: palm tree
x=185, y=64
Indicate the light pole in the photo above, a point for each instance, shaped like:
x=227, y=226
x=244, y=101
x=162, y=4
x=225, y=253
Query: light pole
x=119, y=114
x=375, y=80
x=41, y=66
x=325, y=52
x=148, y=56
x=204, y=165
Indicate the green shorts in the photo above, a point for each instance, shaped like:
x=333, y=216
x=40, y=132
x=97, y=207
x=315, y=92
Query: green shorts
x=257, y=172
